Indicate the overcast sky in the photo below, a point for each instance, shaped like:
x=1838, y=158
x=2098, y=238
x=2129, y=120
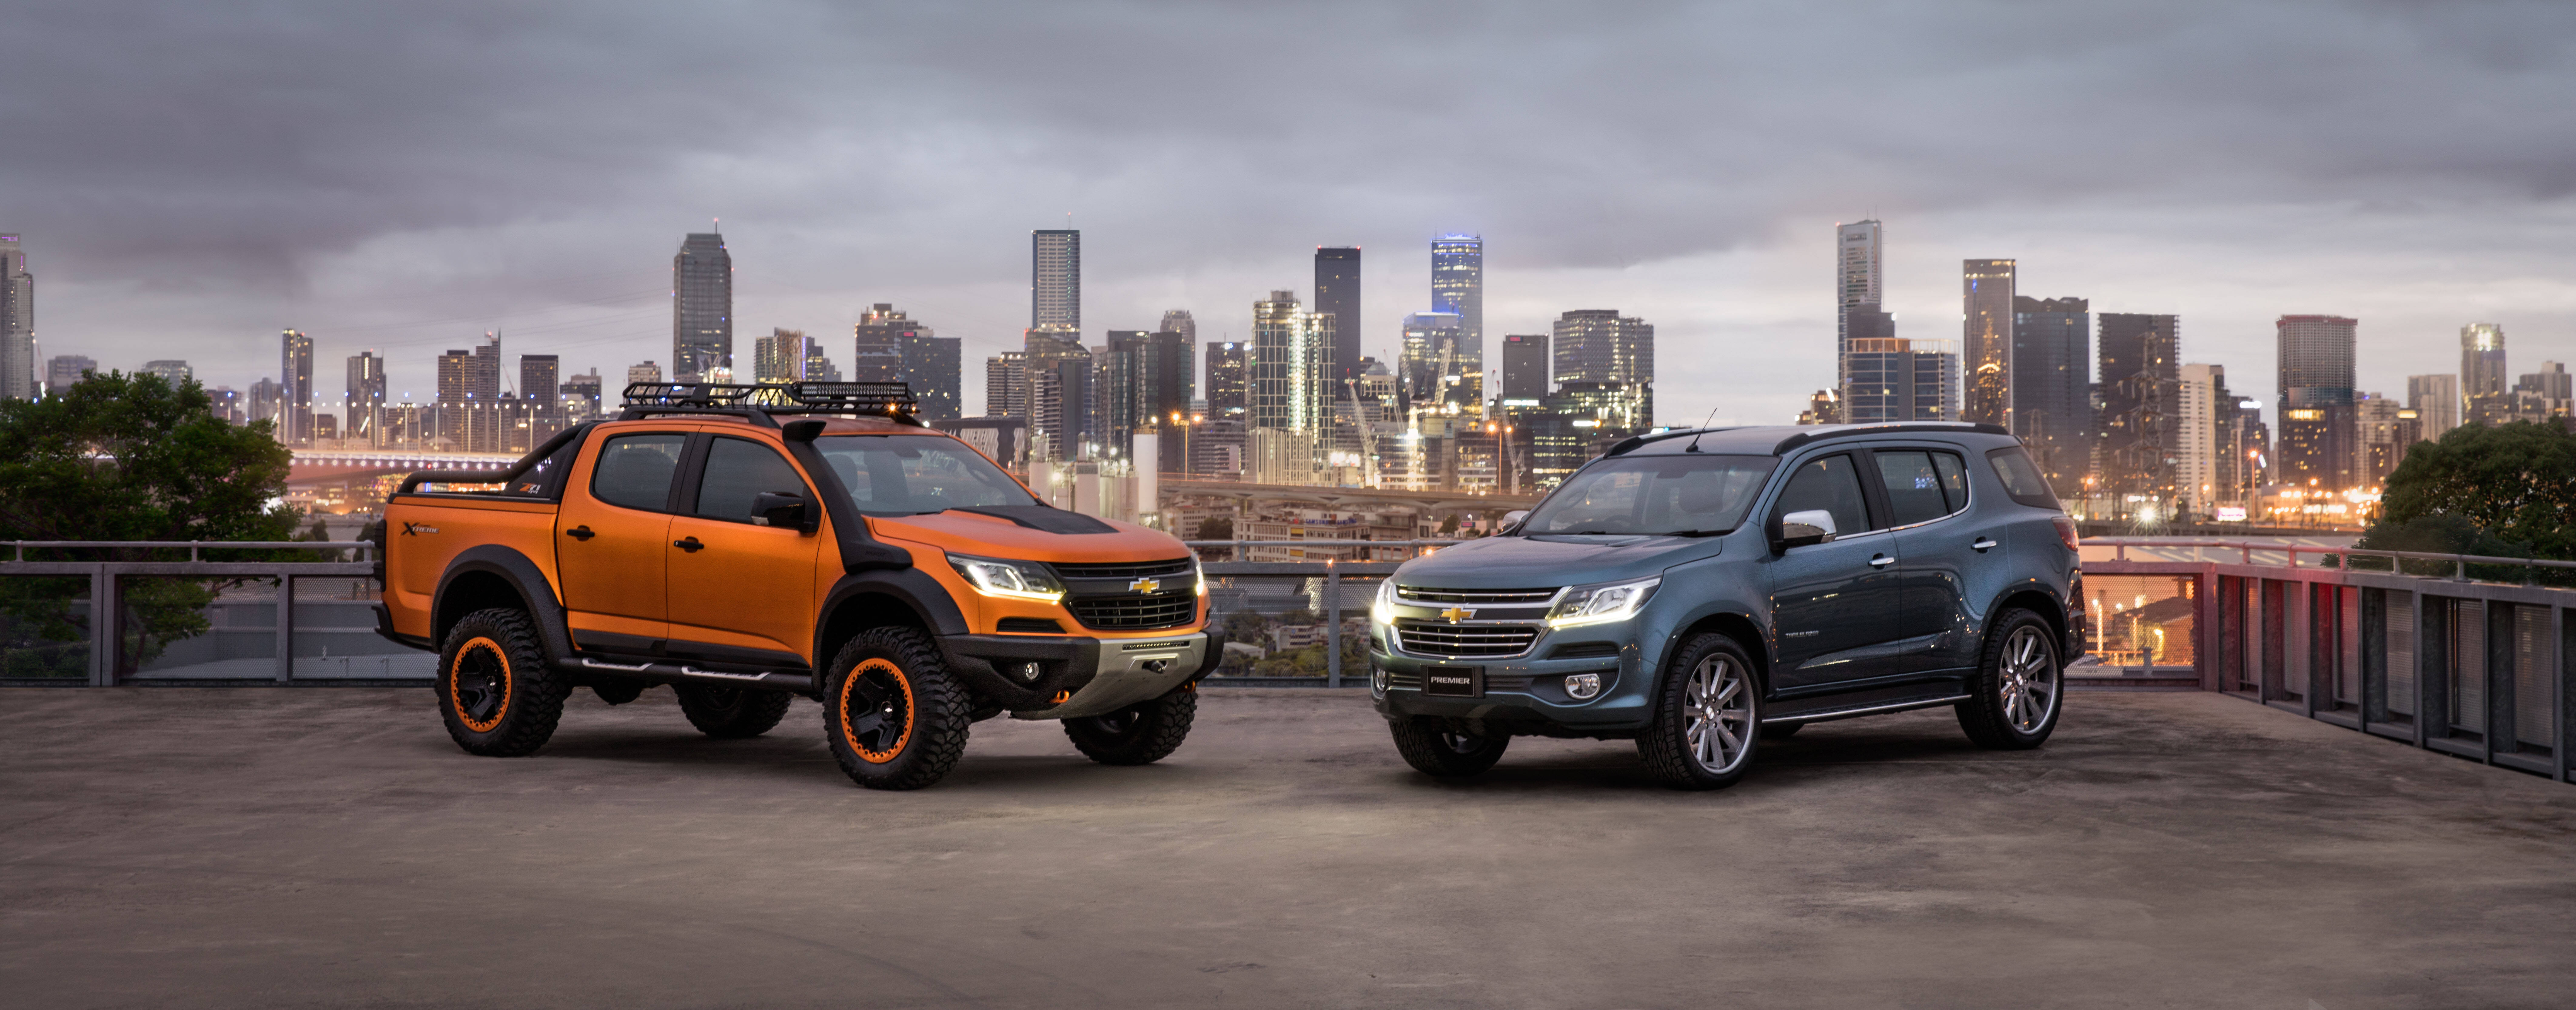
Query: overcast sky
x=192, y=177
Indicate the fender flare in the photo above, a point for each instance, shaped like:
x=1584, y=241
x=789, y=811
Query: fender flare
x=520, y=574
x=929, y=601
x=1763, y=650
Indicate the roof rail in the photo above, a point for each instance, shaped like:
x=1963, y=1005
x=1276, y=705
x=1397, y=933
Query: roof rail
x=1900, y=427
x=889, y=400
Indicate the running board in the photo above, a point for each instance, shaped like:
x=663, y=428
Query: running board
x=684, y=673
x=1830, y=715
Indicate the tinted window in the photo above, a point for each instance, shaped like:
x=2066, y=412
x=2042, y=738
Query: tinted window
x=1830, y=484
x=737, y=472
x=1913, y=488
x=910, y=474
x=1954, y=478
x=635, y=470
x=1655, y=495
x=2021, y=478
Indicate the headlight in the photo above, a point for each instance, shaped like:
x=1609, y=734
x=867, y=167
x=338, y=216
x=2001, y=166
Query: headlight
x=1383, y=611
x=1018, y=580
x=1199, y=572
x=1616, y=601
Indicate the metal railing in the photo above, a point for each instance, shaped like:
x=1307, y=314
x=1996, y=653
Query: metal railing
x=2472, y=667
x=1331, y=570
x=106, y=605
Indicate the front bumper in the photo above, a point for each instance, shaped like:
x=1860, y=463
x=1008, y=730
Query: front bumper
x=1527, y=690
x=1093, y=676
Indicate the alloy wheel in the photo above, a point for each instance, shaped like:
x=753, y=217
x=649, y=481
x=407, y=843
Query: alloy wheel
x=1717, y=713
x=2028, y=680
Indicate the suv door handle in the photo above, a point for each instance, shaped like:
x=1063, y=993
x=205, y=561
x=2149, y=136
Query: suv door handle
x=580, y=533
x=690, y=545
x=1983, y=544
x=1881, y=561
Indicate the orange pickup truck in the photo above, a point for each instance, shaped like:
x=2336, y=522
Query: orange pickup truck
x=748, y=544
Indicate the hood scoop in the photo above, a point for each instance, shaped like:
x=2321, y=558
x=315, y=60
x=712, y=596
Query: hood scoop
x=1041, y=517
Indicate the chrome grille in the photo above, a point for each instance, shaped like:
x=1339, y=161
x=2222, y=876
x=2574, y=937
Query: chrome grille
x=1129, y=612
x=1473, y=597
x=1426, y=638
x=1123, y=569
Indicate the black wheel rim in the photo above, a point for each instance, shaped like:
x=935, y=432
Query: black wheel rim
x=480, y=683
x=876, y=712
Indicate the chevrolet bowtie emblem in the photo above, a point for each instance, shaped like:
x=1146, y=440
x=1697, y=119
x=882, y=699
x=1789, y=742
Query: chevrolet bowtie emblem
x=1457, y=614
x=1144, y=586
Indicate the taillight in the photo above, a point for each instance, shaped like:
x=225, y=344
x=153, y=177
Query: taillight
x=2065, y=530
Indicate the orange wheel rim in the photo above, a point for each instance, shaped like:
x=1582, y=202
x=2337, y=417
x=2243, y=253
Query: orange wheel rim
x=876, y=707
x=478, y=684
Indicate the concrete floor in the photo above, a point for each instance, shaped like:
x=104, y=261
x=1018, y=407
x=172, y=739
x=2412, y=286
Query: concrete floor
x=330, y=847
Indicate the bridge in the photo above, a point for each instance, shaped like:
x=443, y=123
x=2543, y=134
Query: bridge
x=315, y=466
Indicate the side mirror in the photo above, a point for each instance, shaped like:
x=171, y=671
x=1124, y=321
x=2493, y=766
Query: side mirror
x=1799, y=529
x=771, y=508
x=1513, y=519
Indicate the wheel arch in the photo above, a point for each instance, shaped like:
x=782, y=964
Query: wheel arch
x=1738, y=626
x=2038, y=600
x=876, y=598
x=491, y=575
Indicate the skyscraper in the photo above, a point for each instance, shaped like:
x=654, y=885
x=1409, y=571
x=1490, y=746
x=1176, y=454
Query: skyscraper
x=1145, y=385
x=541, y=405
x=1612, y=357
x=1458, y=285
x=701, y=308
x=2484, y=390
x=879, y=335
x=1525, y=366
x=2546, y=394
x=2137, y=432
x=648, y=372
x=18, y=378
x=779, y=357
x=818, y=364
x=363, y=399
x=295, y=387
x=1986, y=289
x=1229, y=389
x=1337, y=291
x=2052, y=384
x=1857, y=281
x=932, y=366
x=1055, y=279
x=1291, y=369
x=1434, y=347
x=1006, y=385
x=581, y=395
x=2315, y=370
x=2197, y=397
x=62, y=370
x=2435, y=399
x=175, y=371
x=1179, y=321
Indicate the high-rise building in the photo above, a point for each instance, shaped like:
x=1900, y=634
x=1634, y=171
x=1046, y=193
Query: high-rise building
x=2136, y=433
x=1525, y=366
x=2315, y=373
x=1145, y=385
x=2547, y=391
x=2383, y=430
x=18, y=378
x=1229, y=382
x=363, y=399
x=456, y=383
x=2435, y=399
x=264, y=403
x=701, y=308
x=541, y=395
x=1063, y=402
x=779, y=357
x=1006, y=385
x=1055, y=279
x=931, y=367
x=1337, y=293
x=1434, y=348
x=581, y=395
x=1986, y=289
x=1894, y=380
x=1614, y=356
x=2198, y=393
x=818, y=364
x=1458, y=285
x=2485, y=393
x=1179, y=321
x=648, y=372
x=172, y=370
x=2250, y=446
x=62, y=370
x=295, y=385
x=2052, y=384
x=880, y=333
x=1857, y=282
x=1290, y=369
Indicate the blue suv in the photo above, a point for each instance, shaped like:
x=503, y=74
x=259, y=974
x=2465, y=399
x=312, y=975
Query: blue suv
x=1700, y=590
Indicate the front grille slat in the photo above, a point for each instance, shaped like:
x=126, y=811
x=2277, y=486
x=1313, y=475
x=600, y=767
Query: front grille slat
x=1487, y=597
x=1124, y=569
x=1465, y=640
x=1130, y=612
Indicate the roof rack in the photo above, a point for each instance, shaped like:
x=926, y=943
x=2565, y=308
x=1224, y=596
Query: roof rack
x=890, y=400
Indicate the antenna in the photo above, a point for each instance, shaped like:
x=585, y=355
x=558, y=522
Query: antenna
x=1703, y=429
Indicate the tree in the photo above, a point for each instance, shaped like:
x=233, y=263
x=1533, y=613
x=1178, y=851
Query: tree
x=1216, y=528
x=2508, y=490
x=131, y=457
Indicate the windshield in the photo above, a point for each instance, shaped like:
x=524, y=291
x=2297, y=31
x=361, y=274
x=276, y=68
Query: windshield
x=1654, y=496
x=913, y=474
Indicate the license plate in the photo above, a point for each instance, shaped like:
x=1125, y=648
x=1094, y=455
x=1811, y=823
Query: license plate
x=1454, y=681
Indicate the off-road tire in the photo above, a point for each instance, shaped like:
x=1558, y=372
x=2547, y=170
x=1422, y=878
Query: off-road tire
x=1983, y=716
x=1139, y=734
x=619, y=691
x=898, y=675
x=731, y=713
x=1432, y=748
x=495, y=692
x=1671, y=754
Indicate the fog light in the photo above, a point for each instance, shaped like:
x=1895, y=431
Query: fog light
x=1583, y=686
x=1030, y=672
x=1377, y=682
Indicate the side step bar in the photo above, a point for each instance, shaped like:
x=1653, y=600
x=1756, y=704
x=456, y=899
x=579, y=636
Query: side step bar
x=1830, y=715
x=661, y=672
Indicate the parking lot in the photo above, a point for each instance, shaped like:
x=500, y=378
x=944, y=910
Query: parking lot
x=330, y=847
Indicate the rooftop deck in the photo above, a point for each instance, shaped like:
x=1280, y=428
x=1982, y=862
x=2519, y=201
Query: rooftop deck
x=238, y=847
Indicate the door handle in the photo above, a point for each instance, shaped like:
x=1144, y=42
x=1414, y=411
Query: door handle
x=1983, y=544
x=580, y=533
x=690, y=545
x=1881, y=561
